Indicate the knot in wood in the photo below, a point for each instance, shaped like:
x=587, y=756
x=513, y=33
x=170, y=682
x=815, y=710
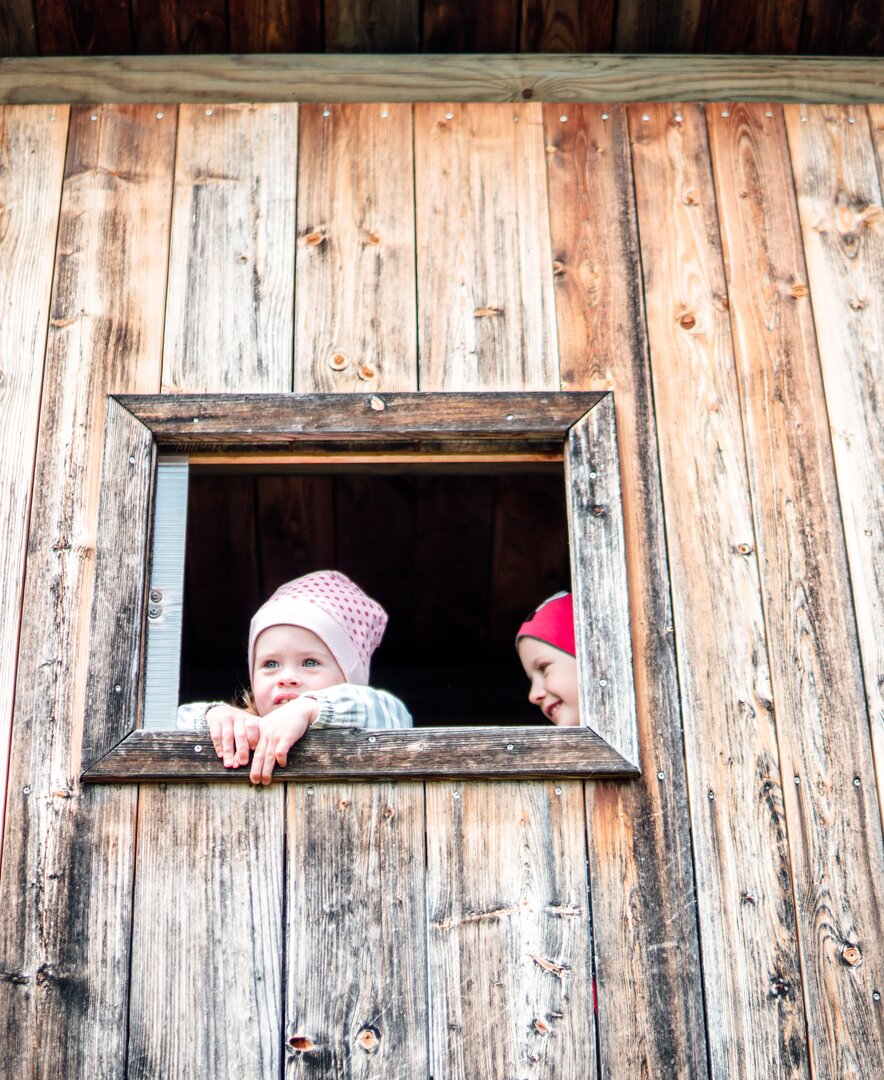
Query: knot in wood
x=337, y=361
x=527, y=94
x=301, y=1044
x=541, y=1026
x=598, y=511
x=798, y=290
x=851, y=954
x=779, y=988
x=744, y=549
x=373, y=238
x=487, y=312
x=314, y=239
x=365, y=372
x=369, y=1039
x=687, y=322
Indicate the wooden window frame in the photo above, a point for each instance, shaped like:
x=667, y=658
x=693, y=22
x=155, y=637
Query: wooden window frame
x=577, y=428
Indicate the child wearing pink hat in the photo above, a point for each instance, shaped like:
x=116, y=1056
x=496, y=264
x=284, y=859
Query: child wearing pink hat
x=310, y=646
x=545, y=643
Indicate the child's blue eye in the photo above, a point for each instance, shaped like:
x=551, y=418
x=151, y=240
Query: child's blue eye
x=311, y=663
x=270, y=664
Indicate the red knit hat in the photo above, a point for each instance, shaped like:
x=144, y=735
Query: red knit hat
x=552, y=622
x=350, y=623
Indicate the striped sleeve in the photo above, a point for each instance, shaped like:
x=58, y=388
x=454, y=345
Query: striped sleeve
x=349, y=705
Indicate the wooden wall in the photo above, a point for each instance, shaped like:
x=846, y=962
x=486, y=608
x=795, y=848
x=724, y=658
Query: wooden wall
x=106, y=27
x=721, y=269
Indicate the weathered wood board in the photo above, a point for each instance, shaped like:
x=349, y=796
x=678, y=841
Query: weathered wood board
x=486, y=314
x=742, y=872
x=32, y=149
x=831, y=808
x=647, y=952
x=354, y=298
x=232, y=251
x=69, y=851
x=842, y=224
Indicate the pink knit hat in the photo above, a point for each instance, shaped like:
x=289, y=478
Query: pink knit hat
x=350, y=623
x=552, y=622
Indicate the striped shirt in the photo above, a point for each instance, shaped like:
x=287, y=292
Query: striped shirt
x=345, y=705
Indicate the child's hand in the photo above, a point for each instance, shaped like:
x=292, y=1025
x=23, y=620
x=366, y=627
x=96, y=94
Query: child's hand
x=234, y=733
x=279, y=731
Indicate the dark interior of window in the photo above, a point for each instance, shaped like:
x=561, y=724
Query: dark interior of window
x=457, y=554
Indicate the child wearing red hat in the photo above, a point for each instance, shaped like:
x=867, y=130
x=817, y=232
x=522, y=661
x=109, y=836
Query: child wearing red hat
x=545, y=643
x=310, y=646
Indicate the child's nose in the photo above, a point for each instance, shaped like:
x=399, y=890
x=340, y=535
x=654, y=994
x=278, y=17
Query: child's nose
x=287, y=678
x=535, y=694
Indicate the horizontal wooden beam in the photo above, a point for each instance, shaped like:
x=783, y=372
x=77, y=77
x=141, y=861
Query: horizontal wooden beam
x=594, y=77
x=362, y=754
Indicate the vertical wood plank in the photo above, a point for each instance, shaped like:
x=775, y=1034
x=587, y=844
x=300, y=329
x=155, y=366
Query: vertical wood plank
x=357, y=998
x=357, y=918
x=660, y=28
x=506, y=874
x=842, y=223
x=234, y=201
x=270, y=26
x=232, y=248
x=486, y=315
x=850, y=29
x=833, y=822
x=647, y=951
x=566, y=26
x=763, y=27
x=295, y=527
x=510, y=969
x=72, y=28
x=367, y=26
x=354, y=298
x=180, y=26
x=67, y=874
x=459, y=28
x=32, y=149
x=18, y=29
x=752, y=979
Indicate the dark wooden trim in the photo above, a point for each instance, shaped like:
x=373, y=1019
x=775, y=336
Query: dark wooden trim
x=122, y=548
x=372, y=755
x=495, y=422
x=597, y=77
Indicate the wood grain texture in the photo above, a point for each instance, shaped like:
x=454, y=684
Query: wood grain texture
x=116, y=641
x=232, y=248
x=180, y=26
x=566, y=26
x=274, y=26
x=355, y=304
x=371, y=26
x=842, y=224
x=647, y=950
x=67, y=27
x=833, y=821
x=18, y=29
x=232, y=331
x=212, y=80
x=660, y=28
x=754, y=1008
x=769, y=26
x=509, y=931
x=32, y=148
x=356, y=922
x=850, y=29
x=67, y=874
x=486, y=317
x=449, y=27
x=209, y=885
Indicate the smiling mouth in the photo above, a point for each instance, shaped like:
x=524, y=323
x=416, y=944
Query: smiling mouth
x=551, y=710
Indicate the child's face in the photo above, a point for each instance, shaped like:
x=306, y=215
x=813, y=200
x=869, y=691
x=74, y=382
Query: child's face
x=553, y=676
x=288, y=661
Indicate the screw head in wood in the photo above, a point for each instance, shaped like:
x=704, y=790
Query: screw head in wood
x=678, y=118
x=449, y=116
x=558, y=791
x=52, y=118
x=118, y=689
x=131, y=459
x=851, y=119
x=856, y=781
x=563, y=119
x=384, y=114
x=768, y=115
x=876, y=996
x=604, y=116
x=160, y=115
x=372, y=738
x=661, y=776
x=509, y=746
x=197, y=749
x=93, y=118
x=725, y=114
x=603, y=682
x=26, y=791
x=456, y=795
x=210, y=112
x=326, y=112
x=645, y=117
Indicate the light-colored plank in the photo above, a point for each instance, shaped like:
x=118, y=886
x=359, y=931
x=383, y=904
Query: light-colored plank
x=209, y=886
x=509, y=932
x=354, y=297
x=232, y=249
x=832, y=816
x=363, y=838
x=230, y=330
x=509, y=937
x=842, y=223
x=32, y=148
x=486, y=318
x=644, y=906
x=507, y=77
x=747, y=917
x=357, y=998
x=67, y=880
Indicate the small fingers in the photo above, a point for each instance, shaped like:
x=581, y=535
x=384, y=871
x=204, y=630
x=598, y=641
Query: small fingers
x=241, y=740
